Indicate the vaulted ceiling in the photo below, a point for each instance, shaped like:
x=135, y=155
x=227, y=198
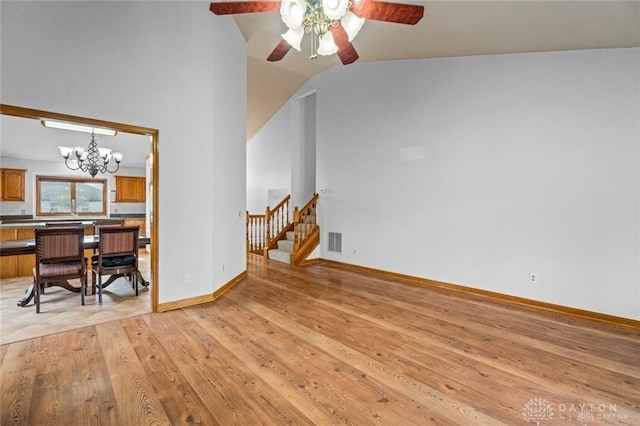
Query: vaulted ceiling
x=449, y=28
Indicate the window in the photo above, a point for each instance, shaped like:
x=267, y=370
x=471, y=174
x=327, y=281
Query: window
x=59, y=196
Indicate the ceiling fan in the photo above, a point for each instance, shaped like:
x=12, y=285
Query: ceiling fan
x=333, y=23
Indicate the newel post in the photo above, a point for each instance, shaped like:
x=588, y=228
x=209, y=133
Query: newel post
x=267, y=224
x=296, y=221
x=247, y=221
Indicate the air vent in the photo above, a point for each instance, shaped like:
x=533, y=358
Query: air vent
x=335, y=242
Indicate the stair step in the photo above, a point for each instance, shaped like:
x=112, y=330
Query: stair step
x=280, y=255
x=290, y=236
x=285, y=245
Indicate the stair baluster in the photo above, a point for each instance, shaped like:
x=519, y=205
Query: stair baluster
x=255, y=233
x=305, y=230
x=294, y=239
x=276, y=223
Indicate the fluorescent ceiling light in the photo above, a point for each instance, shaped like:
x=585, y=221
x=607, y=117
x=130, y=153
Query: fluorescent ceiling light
x=78, y=127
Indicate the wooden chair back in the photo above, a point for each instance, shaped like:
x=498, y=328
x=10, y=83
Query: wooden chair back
x=54, y=245
x=118, y=241
x=117, y=256
x=105, y=223
x=63, y=224
x=59, y=257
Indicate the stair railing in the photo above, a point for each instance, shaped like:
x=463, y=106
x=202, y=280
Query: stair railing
x=264, y=230
x=256, y=233
x=305, y=223
x=277, y=223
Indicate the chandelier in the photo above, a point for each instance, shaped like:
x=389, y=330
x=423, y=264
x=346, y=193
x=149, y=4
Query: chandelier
x=92, y=160
x=317, y=17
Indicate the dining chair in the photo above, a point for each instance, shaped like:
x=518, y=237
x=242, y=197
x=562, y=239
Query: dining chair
x=117, y=256
x=59, y=257
x=63, y=224
x=104, y=223
x=69, y=224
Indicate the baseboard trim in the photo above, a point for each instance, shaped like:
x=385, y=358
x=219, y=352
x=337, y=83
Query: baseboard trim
x=219, y=292
x=205, y=298
x=493, y=295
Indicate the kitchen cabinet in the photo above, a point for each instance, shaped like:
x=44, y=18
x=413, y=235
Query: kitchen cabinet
x=143, y=229
x=26, y=262
x=139, y=222
x=12, y=184
x=130, y=189
x=8, y=264
x=16, y=266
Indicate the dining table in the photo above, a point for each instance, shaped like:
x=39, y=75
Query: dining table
x=28, y=246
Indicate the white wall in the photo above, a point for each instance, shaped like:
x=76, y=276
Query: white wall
x=269, y=161
x=153, y=64
x=479, y=170
x=49, y=168
x=229, y=189
x=280, y=155
x=303, y=149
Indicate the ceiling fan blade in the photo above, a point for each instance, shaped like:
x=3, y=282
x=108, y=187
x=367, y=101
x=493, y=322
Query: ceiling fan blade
x=346, y=52
x=278, y=53
x=390, y=12
x=233, y=7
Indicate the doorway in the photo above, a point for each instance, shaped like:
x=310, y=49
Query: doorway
x=153, y=188
x=303, y=149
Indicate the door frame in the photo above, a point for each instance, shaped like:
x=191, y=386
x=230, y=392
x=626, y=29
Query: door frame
x=154, y=134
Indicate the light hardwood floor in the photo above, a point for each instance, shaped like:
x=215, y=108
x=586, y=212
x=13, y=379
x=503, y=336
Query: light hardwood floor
x=323, y=345
x=61, y=309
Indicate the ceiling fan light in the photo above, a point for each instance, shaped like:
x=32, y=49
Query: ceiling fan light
x=292, y=13
x=351, y=24
x=294, y=37
x=334, y=9
x=327, y=46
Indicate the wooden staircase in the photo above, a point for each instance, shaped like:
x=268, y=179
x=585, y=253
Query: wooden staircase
x=275, y=236
x=284, y=248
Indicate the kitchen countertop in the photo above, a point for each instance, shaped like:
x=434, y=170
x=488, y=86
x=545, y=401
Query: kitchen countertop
x=41, y=222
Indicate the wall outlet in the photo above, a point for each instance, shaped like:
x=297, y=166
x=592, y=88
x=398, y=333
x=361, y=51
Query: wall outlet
x=356, y=251
x=222, y=267
x=533, y=277
x=186, y=278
